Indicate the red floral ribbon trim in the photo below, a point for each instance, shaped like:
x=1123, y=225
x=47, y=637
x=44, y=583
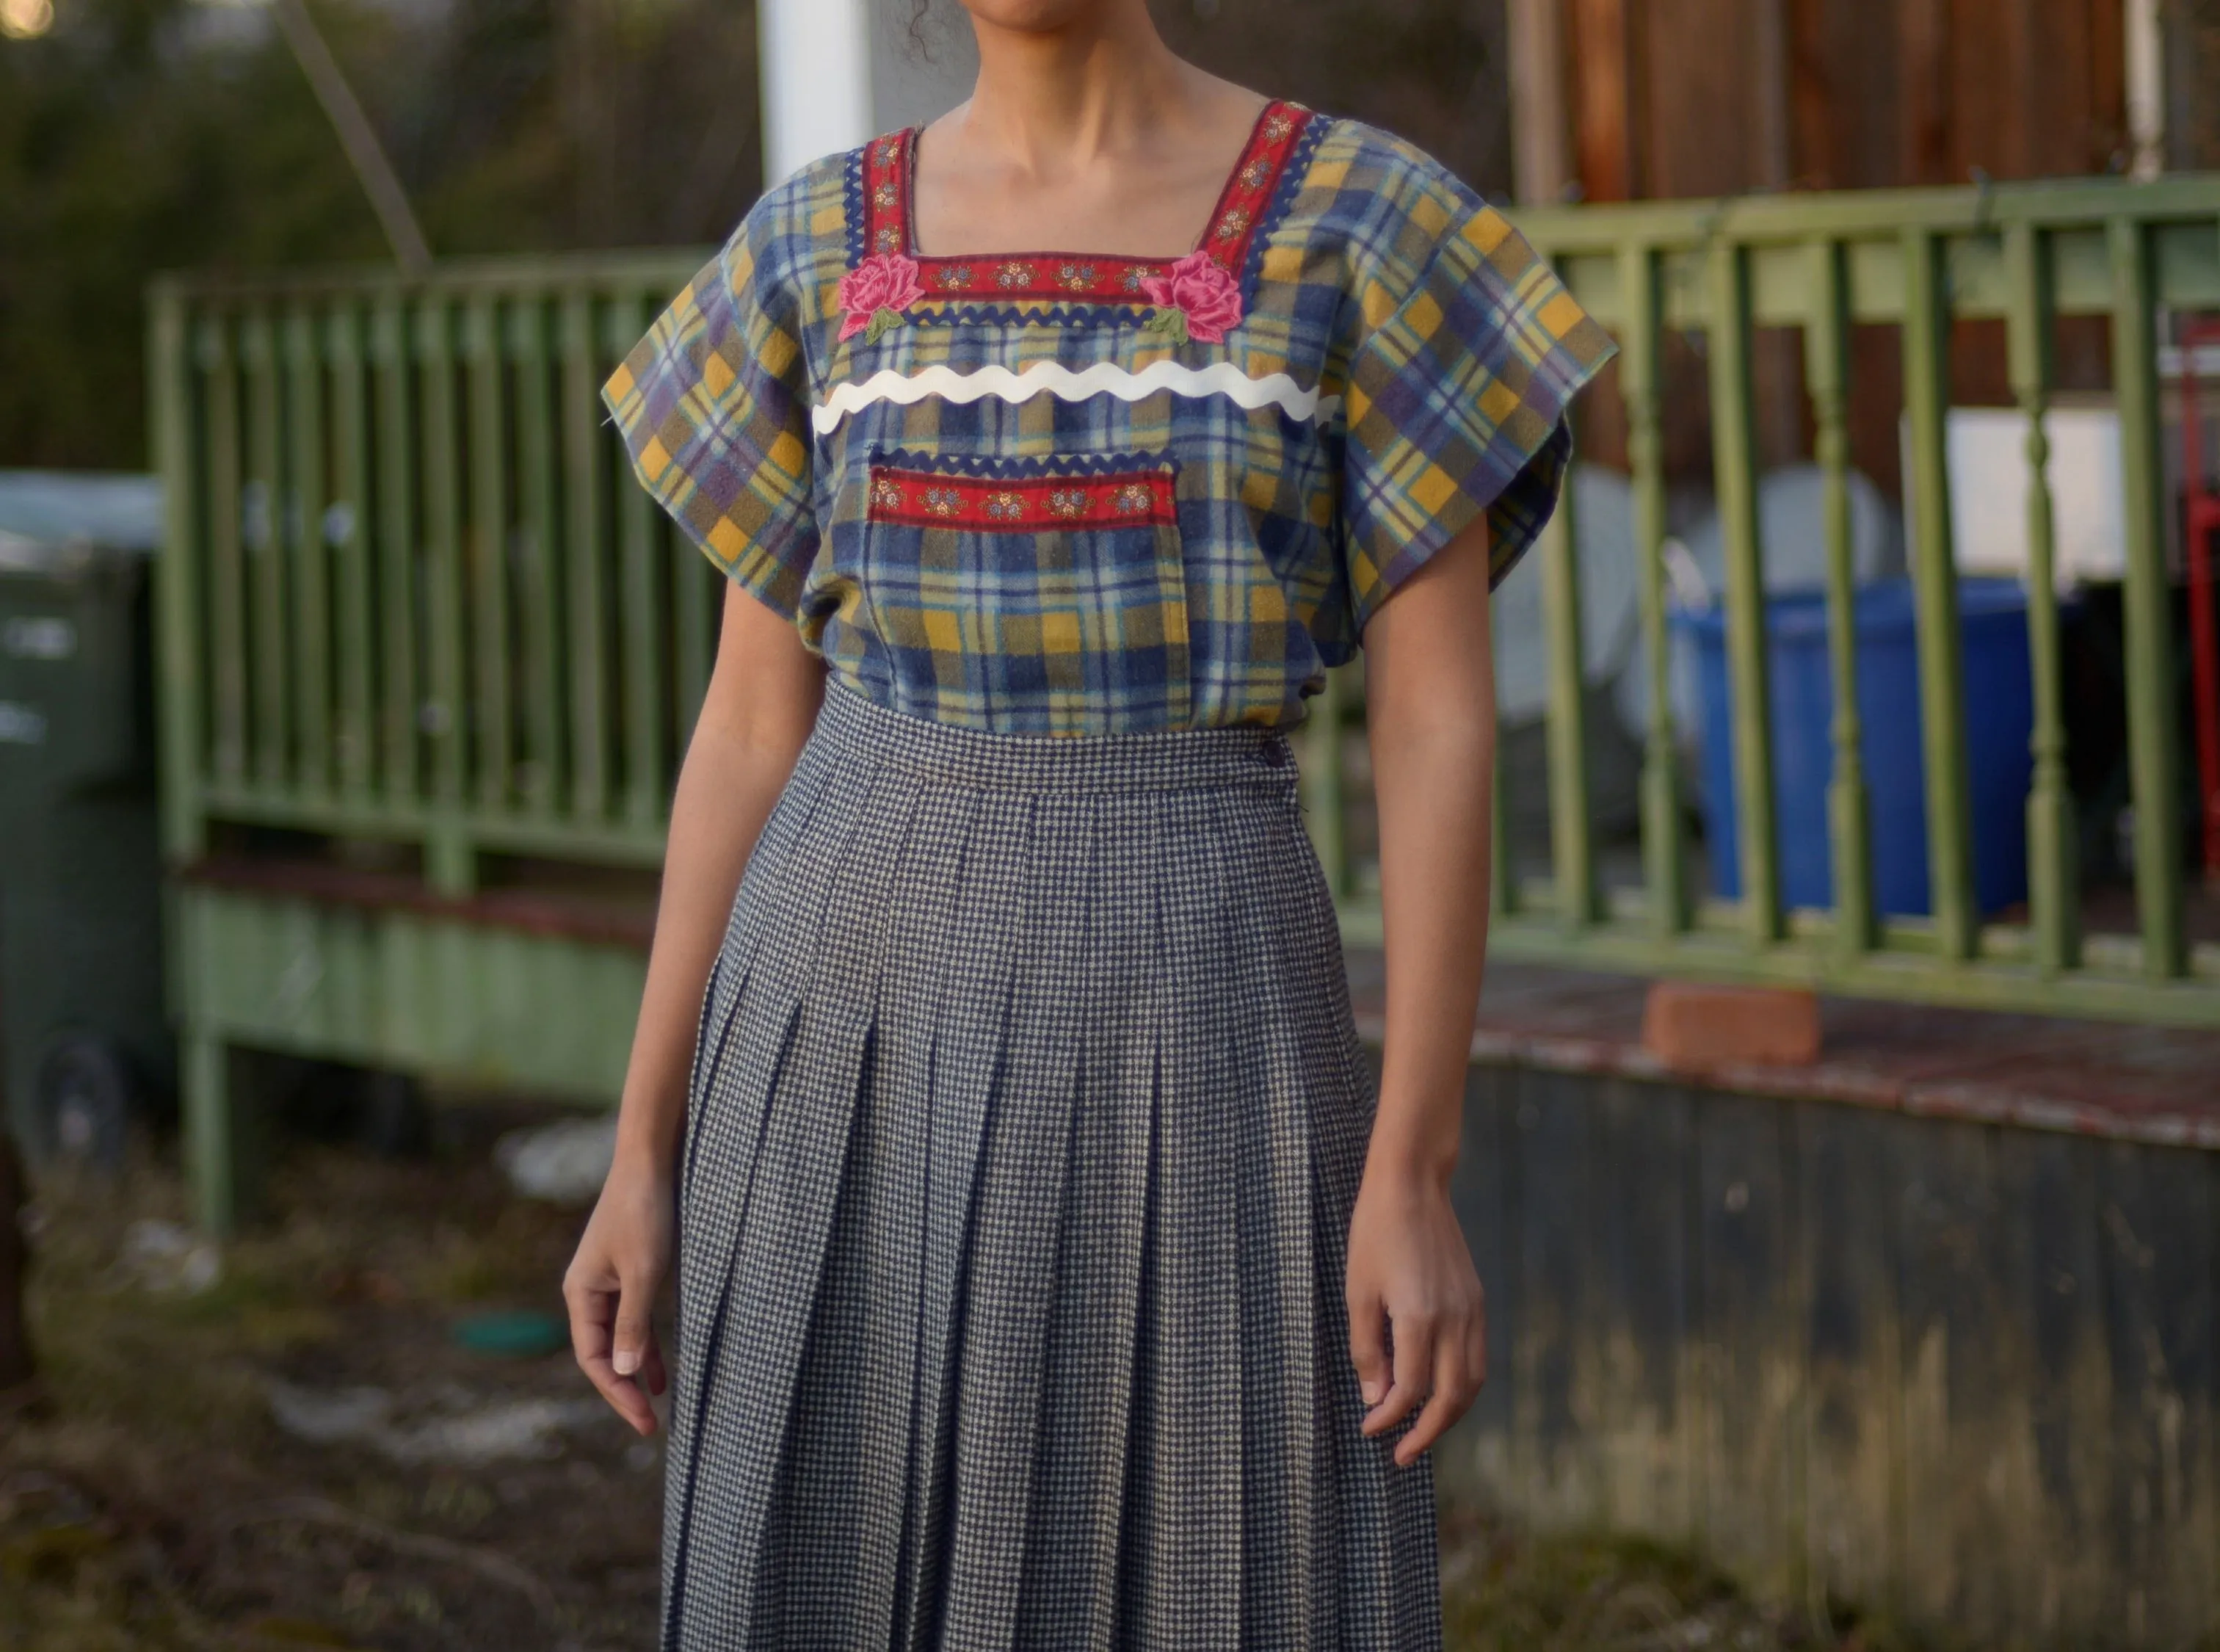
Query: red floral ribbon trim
x=1023, y=504
x=1241, y=206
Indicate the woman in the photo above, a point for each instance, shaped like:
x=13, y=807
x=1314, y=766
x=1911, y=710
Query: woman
x=1050, y=1272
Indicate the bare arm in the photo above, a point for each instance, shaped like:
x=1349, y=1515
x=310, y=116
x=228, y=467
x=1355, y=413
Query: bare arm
x=1429, y=687
x=761, y=701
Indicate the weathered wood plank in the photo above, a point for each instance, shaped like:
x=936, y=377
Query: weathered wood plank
x=1556, y=1402
x=2069, y=1377
x=1650, y=1464
x=2157, y=1205
x=1752, y=1398
x=1854, y=1433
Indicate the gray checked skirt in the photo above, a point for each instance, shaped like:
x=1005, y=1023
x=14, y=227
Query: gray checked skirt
x=1026, y=1119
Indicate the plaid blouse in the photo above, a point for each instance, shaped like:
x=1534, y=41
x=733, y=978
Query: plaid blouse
x=1072, y=494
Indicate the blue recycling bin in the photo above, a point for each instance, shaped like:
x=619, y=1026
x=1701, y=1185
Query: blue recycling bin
x=1999, y=709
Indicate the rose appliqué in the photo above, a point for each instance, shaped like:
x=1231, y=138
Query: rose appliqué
x=876, y=293
x=1195, y=299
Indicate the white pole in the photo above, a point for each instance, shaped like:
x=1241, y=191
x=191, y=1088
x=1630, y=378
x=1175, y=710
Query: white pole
x=2146, y=55
x=816, y=80
x=838, y=71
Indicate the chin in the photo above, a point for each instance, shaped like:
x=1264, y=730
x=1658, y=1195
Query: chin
x=1037, y=16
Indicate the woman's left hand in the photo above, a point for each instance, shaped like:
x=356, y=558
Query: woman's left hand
x=1417, y=1317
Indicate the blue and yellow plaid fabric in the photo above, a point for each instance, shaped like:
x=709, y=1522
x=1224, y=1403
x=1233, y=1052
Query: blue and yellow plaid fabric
x=1402, y=365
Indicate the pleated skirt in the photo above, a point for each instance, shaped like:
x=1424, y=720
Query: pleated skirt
x=1026, y=1121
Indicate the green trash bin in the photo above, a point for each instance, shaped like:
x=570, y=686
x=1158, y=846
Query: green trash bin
x=84, y=1039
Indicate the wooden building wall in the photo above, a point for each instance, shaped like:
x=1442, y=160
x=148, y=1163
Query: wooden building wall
x=1674, y=98
x=1963, y=1374
x=1692, y=98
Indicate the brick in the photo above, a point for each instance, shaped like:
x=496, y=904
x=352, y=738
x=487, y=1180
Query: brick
x=1694, y=1024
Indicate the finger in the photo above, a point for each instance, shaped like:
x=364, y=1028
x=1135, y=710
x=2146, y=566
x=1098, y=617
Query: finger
x=1450, y=1397
x=635, y=1303
x=1413, y=1354
x=592, y=1315
x=1368, y=1346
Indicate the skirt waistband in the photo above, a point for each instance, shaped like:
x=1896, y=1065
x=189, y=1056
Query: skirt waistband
x=850, y=726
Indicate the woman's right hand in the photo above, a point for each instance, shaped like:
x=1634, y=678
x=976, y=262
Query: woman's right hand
x=612, y=1284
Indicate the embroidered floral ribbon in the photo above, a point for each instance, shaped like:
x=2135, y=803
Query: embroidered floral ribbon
x=1019, y=504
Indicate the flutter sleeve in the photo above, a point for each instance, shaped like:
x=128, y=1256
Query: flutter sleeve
x=713, y=406
x=1458, y=391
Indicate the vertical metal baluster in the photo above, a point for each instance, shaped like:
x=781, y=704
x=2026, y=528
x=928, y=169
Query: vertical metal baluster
x=397, y=547
x=2054, y=850
x=640, y=598
x=1664, y=852
x=227, y=553
x=488, y=554
x=352, y=542
x=183, y=684
x=1935, y=589
x=269, y=538
x=586, y=656
x=1572, y=840
x=1734, y=454
x=1826, y=353
x=448, y=863
x=540, y=573
x=2151, y=760
x=1502, y=876
x=312, y=610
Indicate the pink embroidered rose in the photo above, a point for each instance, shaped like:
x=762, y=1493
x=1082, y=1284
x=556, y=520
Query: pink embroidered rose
x=876, y=292
x=1205, y=298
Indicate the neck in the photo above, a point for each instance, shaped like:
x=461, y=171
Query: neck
x=1052, y=98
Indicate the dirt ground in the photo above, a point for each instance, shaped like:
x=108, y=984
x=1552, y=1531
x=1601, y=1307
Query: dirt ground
x=283, y=1444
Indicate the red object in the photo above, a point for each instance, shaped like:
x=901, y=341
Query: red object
x=1691, y=1025
x=1022, y=504
x=2203, y=523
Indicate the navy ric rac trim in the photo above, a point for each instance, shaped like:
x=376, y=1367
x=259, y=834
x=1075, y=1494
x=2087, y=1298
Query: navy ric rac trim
x=851, y=200
x=1283, y=199
x=1001, y=468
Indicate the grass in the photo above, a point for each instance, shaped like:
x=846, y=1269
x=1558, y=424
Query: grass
x=156, y=1506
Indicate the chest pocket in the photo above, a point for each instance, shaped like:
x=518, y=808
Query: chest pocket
x=1033, y=603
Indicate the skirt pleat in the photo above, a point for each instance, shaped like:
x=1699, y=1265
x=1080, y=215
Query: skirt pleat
x=1027, y=1118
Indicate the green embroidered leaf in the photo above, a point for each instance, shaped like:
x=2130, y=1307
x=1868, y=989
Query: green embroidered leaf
x=1167, y=319
x=882, y=319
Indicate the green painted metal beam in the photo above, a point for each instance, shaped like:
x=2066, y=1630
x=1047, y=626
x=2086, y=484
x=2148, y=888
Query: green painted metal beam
x=1826, y=371
x=2052, y=848
x=1935, y=596
x=2152, y=737
x=1733, y=462
x=1641, y=379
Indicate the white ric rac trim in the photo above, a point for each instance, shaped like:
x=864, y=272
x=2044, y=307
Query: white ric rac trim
x=1219, y=378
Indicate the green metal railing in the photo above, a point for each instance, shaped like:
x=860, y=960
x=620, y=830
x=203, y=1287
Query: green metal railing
x=411, y=593
x=1919, y=261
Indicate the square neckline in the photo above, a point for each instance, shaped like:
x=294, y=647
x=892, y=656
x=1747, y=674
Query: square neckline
x=884, y=190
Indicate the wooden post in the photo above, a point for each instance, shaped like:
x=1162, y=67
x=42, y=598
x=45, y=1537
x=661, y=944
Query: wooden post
x=1540, y=145
x=1603, y=63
